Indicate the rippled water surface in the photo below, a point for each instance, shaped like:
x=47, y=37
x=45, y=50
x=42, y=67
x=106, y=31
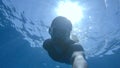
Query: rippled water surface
x=24, y=26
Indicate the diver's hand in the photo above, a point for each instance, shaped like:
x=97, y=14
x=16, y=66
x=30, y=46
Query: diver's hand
x=79, y=60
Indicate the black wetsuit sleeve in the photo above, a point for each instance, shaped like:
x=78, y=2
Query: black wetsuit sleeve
x=76, y=47
x=73, y=48
x=47, y=46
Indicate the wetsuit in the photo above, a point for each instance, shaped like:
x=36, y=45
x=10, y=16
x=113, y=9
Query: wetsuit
x=61, y=55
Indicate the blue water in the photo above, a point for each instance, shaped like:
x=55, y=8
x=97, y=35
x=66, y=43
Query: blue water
x=24, y=25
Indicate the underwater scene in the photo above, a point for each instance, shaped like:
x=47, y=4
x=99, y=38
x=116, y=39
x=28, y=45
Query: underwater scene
x=24, y=26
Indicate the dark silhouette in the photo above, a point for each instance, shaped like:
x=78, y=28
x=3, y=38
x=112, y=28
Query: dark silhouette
x=60, y=47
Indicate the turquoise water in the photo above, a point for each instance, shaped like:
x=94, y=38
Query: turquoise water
x=24, y=25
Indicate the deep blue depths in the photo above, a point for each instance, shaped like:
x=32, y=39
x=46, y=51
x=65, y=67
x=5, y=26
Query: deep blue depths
x=15, y=52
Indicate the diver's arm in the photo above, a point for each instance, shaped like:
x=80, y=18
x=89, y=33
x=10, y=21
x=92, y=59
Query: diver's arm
x=79, y=60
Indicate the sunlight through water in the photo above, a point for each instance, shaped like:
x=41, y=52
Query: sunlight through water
x=70, y=10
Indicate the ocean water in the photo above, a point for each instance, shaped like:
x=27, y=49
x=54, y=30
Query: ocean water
x=24, y=26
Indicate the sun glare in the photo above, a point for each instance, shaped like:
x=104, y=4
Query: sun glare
x=70, y=10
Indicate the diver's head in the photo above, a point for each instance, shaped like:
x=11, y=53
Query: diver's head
x=60, y=28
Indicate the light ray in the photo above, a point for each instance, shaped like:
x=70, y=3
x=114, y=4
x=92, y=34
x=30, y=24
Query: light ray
x=70, y=10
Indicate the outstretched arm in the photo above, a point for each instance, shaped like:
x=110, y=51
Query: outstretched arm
x=79, y=60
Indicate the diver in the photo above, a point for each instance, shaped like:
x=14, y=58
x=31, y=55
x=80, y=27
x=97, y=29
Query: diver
x=61, y=48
